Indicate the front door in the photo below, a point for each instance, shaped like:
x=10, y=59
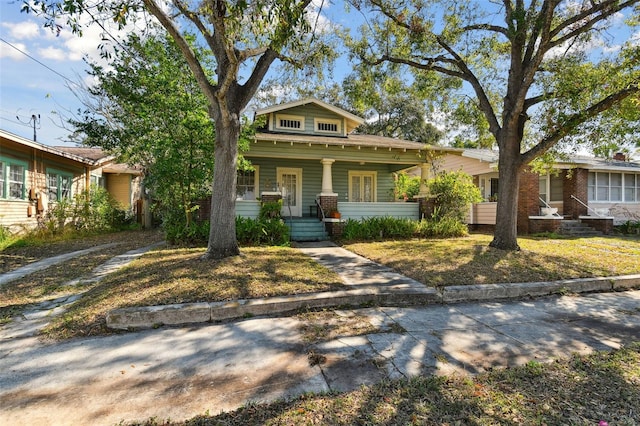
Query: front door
x=290, y=182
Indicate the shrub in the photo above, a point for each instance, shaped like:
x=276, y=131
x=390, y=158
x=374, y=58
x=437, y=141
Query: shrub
x=452, y=193
x=270, y=210
x=261, y=231
x=376, y=228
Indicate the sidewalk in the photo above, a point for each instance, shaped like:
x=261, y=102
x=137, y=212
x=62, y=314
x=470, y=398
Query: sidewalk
x=183, y=371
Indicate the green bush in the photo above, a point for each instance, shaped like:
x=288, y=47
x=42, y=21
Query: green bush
x=261, y=231
x=452, y=193
x=93, y=211
x=378, y=228
x=249, y=232
x=270, y=210
x=629, y=227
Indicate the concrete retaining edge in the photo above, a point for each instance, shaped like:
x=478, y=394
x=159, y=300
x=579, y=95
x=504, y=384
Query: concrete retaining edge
x=191, y=313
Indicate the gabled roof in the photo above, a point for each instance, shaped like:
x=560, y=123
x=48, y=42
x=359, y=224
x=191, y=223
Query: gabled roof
x=45, y=148
x=346, y=114
x=591, y=163
x=97, y=155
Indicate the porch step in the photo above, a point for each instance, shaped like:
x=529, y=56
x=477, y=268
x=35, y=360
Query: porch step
x=306, y=229
x=577, y=229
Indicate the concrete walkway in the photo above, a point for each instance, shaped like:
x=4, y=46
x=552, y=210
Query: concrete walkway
x=368, y=283
x=36, y=317
x=179, y=372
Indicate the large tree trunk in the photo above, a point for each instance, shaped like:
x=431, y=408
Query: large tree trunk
x=222, y=236
x=509, y=165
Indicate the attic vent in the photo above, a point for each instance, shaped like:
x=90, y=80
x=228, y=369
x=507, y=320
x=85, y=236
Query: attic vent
x=327, y=127
x=290, y=124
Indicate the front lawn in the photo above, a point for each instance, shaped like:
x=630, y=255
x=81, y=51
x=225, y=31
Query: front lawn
x=470, y=260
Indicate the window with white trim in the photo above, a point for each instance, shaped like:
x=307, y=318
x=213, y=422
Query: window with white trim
x=13, y=179
x=326, y=125
x=289, y=122
x=362, y=186
x=613, y=187
x=551, y=188
x=58, y=185
x=247, y=184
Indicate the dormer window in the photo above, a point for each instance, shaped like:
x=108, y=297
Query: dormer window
x=325, y=125
x=289, y=122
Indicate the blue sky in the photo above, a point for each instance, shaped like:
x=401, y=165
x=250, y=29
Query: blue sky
x=37, y=67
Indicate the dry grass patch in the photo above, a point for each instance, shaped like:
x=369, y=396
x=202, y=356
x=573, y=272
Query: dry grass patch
x=180, y=275
x=470, y=260
x=325, y=325
x=581, y=390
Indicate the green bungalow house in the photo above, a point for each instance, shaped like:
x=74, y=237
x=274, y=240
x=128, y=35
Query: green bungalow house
x=308, y=156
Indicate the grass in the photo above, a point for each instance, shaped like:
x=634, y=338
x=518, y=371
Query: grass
x=579, y=390
x=180, y=275
x=470, y=260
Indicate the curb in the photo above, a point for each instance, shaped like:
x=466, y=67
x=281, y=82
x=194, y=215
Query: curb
x=193, y=313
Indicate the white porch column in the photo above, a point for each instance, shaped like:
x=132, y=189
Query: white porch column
x=424, y=176
x=327, y=181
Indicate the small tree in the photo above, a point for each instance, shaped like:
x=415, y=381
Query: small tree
x=453, y=192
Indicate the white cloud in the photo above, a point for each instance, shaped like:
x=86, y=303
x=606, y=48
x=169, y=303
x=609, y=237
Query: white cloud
x=7, y=51
x=22, y=30
x=52, y=53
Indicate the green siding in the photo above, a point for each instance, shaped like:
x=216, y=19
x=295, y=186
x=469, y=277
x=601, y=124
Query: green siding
x=339, y=153
x=309, y=112
x=312, y=178
x=359, y=211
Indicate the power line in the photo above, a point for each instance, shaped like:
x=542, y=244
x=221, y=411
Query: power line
x=41, y=63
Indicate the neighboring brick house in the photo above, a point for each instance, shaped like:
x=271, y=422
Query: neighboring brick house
x=581, y=188
x=33, y=175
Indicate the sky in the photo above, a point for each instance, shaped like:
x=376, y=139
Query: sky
x=38, y=68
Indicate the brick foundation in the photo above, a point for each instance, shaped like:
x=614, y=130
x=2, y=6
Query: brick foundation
x=603, y=225
x=537, y=226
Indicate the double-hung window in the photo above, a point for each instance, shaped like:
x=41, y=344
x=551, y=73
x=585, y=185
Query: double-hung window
x=13, y=179
x=362, y=186
x=58, y=185
x=247, y=184
x=613, y=187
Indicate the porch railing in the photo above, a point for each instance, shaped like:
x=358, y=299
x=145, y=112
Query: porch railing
x=588, y=208
x=361, y=210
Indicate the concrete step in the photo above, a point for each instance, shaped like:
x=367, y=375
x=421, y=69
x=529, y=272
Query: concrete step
x=578, y=229
x=306, y=229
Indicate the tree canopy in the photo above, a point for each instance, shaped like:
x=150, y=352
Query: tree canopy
x=540, y=72
x=243, y=40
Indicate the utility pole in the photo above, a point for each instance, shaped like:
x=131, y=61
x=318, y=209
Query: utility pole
x=34, y=120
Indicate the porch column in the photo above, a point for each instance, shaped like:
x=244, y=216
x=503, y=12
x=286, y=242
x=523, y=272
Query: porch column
x=424, y=176
x=327, y=181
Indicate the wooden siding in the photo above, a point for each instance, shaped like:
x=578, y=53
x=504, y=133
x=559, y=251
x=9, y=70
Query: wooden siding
x=245, y=208
x=358, y=211
x=484, y=213
x=119, y=186
x=266, y=149
x=310, y=112
x=471, y=166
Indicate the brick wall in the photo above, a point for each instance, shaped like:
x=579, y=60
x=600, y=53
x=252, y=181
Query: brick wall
x=528, y=199
x=328, y=203
x=537, y=226
x=603, y=225
x=576, y=184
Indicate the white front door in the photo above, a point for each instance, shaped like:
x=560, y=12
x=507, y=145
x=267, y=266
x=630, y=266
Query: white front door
x=290, y=183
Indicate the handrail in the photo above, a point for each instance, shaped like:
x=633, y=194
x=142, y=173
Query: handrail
x=320, y=209
x=588, y=208
x=290, y=215
x=548, y=206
